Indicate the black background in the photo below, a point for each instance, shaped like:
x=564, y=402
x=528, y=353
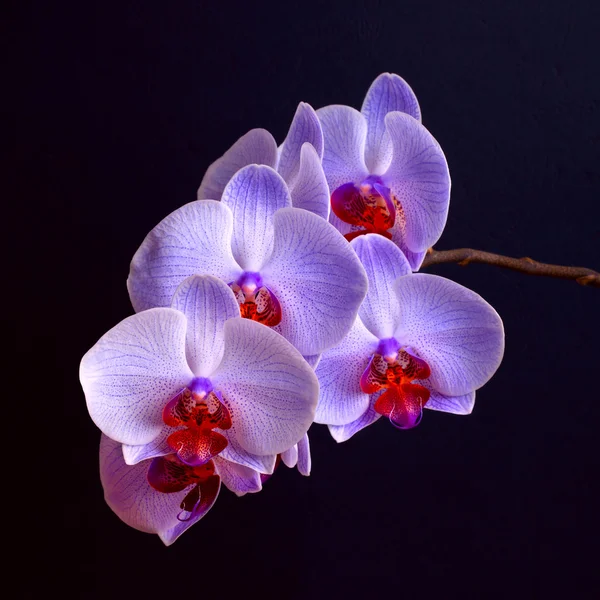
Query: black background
x=118, y=111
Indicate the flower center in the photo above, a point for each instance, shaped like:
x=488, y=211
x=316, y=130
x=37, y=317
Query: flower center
x=369, y=205
x=168, y=474
x=199, y=410
x=257, y=302
x=394, y=368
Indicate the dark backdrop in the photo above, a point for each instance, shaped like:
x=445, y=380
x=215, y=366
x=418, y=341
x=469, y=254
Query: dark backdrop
x=119, y=110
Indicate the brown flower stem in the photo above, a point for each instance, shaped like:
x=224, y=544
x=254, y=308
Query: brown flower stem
x=465, y=256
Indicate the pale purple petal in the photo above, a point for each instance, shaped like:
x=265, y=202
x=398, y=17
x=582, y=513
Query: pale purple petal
x=193, y=240
x=290, y=456
x=256, y=147
x=237, y=478
x=418, y=177
x=341, y=433
x=305, y=128
x=415, y=259
x=453, y=329
x=317, y=279
x=130, y=496
x=384, y=263
x=345, y=133
x=304, y=459
x=254, y=195
x=458, y=405
x=387, y=93
x=236, y=454
x=270, y=390
x=134, y=454
x=313, y=360
x=309, y=188
x=340, y=225
x=207, y=303
x=341, y=400
x=131, y=373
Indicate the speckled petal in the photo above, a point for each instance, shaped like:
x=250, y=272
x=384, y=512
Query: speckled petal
x=419, y=179
x=458, y=334
x=207, y=302
x=387, y=93
x=270, y=390
x=131, y=373
x=341, y=399
x=254, y=195
x=256, y=147
x=344, y=133
x=193, y=240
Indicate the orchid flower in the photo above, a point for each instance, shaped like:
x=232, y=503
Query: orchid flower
x=190, y=395
x=288, y=267
x=297, y=160
x=386, y=173
x=419, y=340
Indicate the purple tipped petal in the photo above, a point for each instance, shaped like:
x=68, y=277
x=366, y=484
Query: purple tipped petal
x=345, y=133
x=256, y=147
x=254, y=195
x=342, y=433
x=418, y=177
x=387, y=93
x=132, y=371
x=341, y=399
x=454, y=330
x=384, y=263
x=317, y=279
x=309, y=189
x=305, y=128
x=193, y=240
x=207, y=303
x=237, y=478
x=134, y=454
x=130, y=496
x=290, y=456
x=304, y=459
x=269, y=389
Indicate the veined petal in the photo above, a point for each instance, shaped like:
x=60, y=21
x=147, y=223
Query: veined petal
x=453, y=329
x=236, y=454
x=309, y=187
x=290, y=456
x=270, y=390
x=341, y=399
x=313, y=360
x=304, y=459
x=132, y=371
x=237, y=478
x=419, y=179
x=130, y=496
x=193, y=240
x=344, y=134
x=254, y=195
x=387, y=93
x=317, y=279
x=384, y=262
x=134, y=454
x=457, y=405
x=342, y=433
x=305, y=128
x=256, y=147
x=207, y=303
x=415, y=259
